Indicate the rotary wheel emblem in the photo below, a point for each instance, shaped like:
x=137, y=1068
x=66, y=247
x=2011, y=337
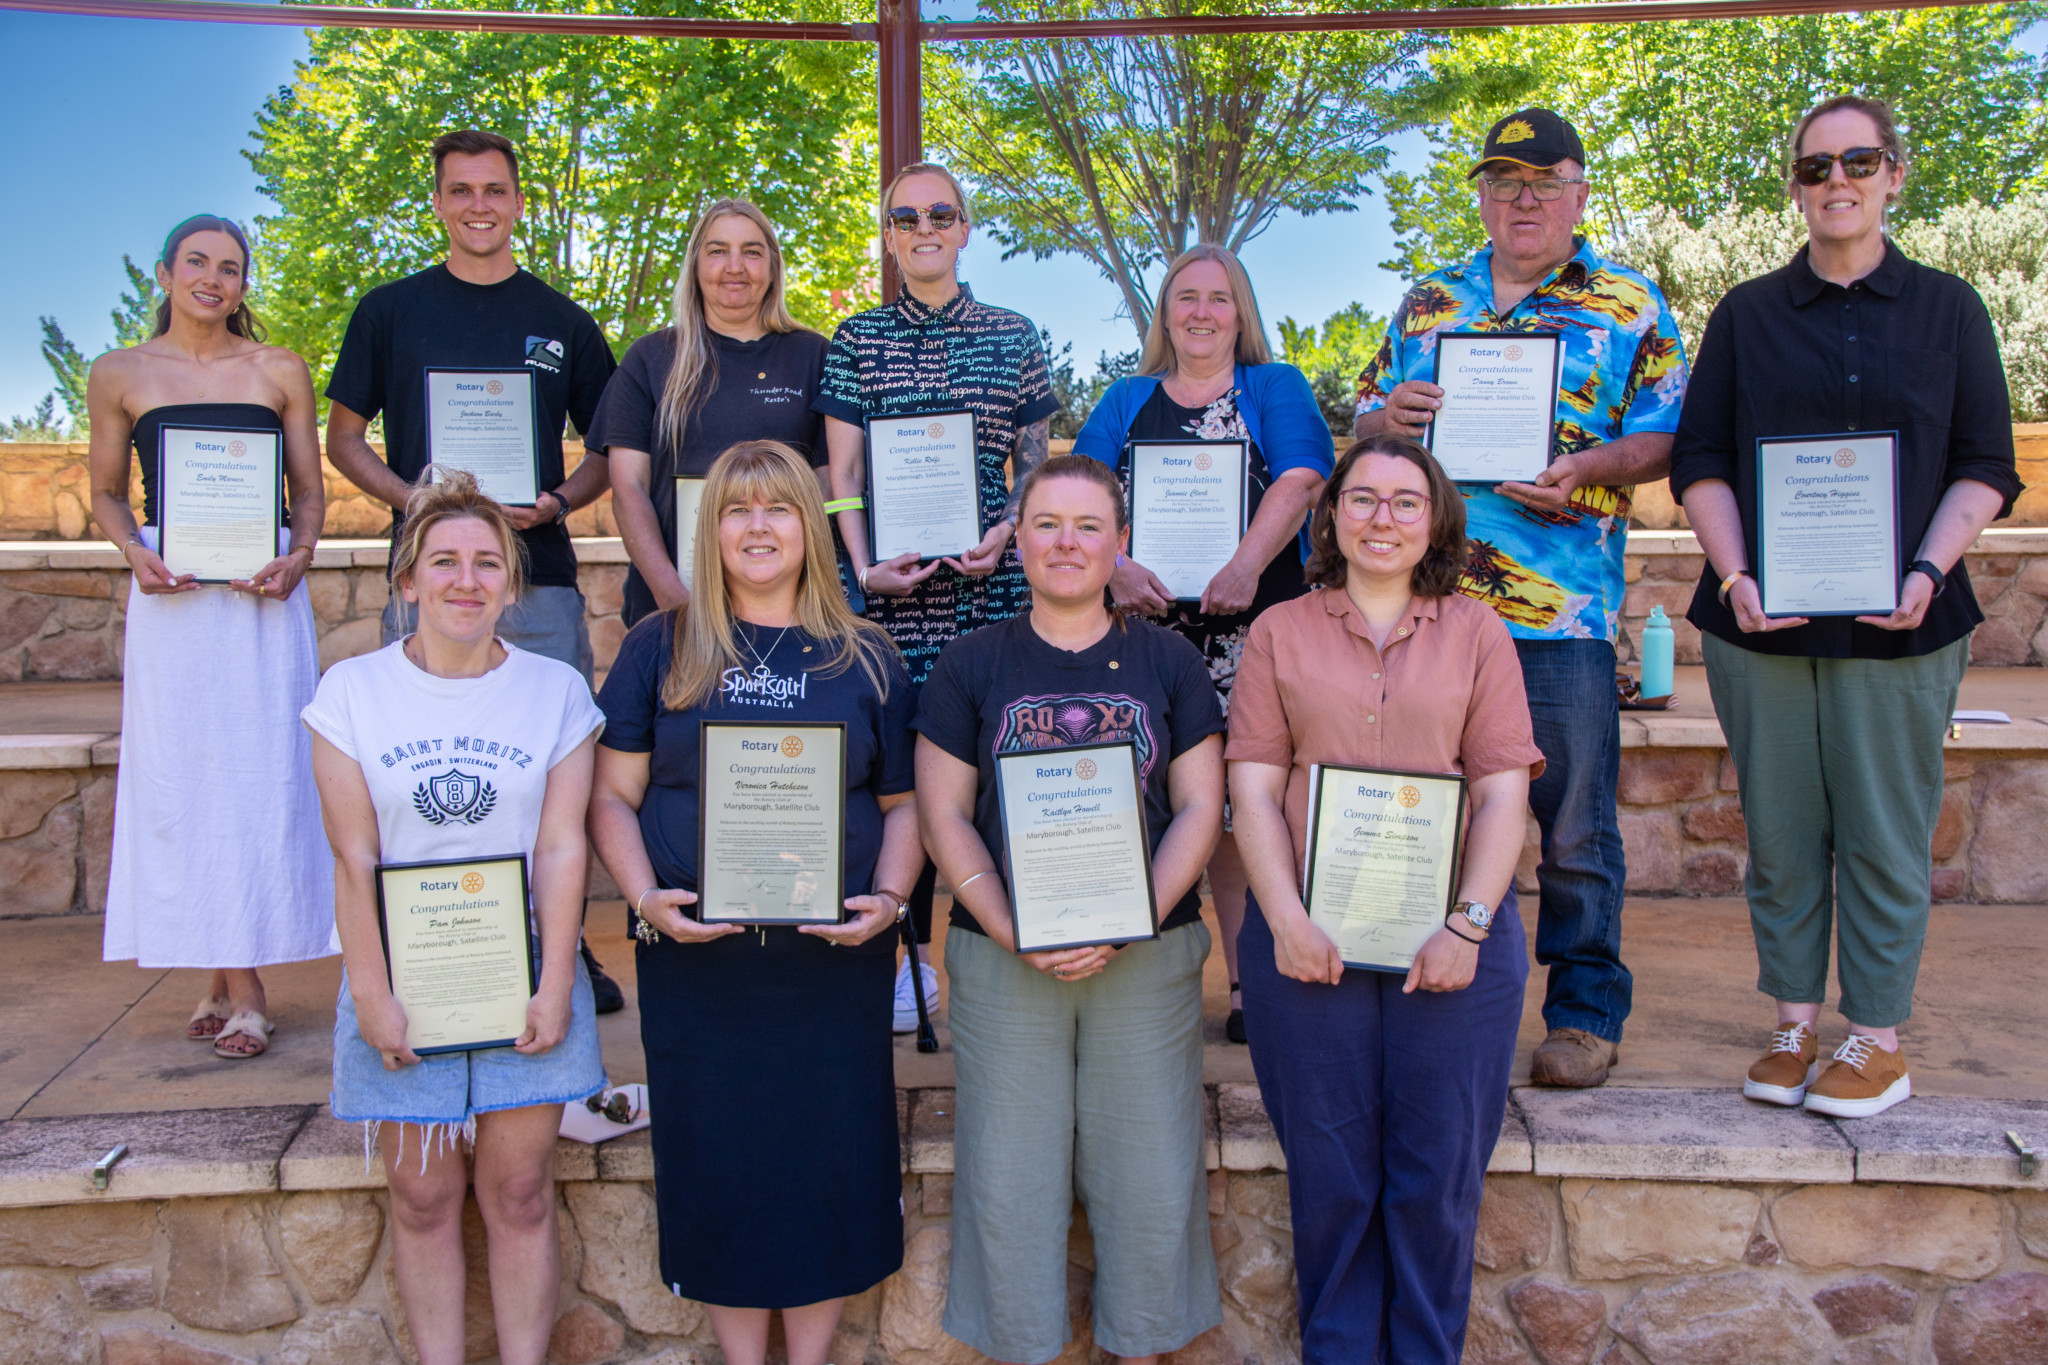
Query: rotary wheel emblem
x=791, y=746
x=935, y=430
x=1204, y=460
x=494, y=386
x=238, y=448
x=472, y=882
x=1084, y=768
x=1409, y=797
x=1844, y=458
x=1513, y=352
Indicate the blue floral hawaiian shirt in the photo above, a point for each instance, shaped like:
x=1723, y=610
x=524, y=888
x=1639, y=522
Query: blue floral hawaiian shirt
x=1551, y=575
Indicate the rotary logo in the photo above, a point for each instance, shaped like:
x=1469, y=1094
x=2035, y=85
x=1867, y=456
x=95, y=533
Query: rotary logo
x=1513, y=352
x=1518, y=131
x=1409, y=798
x=472, y=882
x=935, y=430
x=1844, y=458
x=1084, y=768
x=494, y=387
x=238, y=448
x=791, y=746
x=1203, y=460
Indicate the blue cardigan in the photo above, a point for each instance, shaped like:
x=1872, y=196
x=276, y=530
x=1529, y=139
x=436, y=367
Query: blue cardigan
x=1279, y=410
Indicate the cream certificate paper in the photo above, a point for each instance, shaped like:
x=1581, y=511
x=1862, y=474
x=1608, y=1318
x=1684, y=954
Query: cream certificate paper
x=1827, y=511
x=1499, y=405
x=771, y=823
x=1382, y=860
x=924, y=486
x=1187, y=510
x=689, y=497
x=1074, y=837
x=458, y=949
x=483, y=421
x=218, y=501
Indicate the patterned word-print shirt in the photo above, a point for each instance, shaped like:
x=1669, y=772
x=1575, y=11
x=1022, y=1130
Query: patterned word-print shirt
x=1551, y=575
x=908, y=357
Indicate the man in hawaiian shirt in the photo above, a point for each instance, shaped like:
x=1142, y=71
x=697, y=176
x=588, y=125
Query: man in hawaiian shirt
x=1547, y=555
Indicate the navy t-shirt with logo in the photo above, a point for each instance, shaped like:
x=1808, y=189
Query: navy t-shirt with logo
x=434, y=320
x=1003, y=689
x=787, y=677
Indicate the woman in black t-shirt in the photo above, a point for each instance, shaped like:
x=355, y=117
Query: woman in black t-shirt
x=1079, y=1070
x=734, y=366
x=769, y=1067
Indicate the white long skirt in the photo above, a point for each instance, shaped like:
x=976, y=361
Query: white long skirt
x=219, y=857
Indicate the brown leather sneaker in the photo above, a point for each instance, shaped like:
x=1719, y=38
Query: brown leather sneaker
x=1863, y=1080
x=1781, y=1075
x=1573, y=1059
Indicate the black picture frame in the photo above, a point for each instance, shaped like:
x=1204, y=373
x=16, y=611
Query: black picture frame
x=1315, y=814
x=163, y=529
x=1129, y=747
x=868, y=466
x=526, y=939
x=838, y=898
x=1762, y=548
x=1556, y=342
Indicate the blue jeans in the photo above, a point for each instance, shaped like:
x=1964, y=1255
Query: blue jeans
x=1577, y=716
x=546, y=620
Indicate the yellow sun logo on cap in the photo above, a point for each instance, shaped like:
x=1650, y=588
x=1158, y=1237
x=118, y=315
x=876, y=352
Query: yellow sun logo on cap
x=1518, y=131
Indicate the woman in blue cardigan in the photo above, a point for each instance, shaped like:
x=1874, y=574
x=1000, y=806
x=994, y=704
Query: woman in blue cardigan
x=1207, y=374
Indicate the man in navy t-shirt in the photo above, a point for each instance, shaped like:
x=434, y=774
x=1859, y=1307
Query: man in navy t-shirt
x=479, y=311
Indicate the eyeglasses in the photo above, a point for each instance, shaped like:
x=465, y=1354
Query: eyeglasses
x=941, y=217
x=1858, y=163
x=1506, y=189
x=1407, y=508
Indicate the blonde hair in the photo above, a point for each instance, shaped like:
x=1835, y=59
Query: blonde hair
x=1159, y=357
x=450, y=495
x=921, y=168
x=693, y=374
x=706, y=642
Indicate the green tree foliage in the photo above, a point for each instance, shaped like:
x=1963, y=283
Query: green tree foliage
x=1332, y=357
x=622, y=141
x=1127, y=152
x=40, y=425
x=134, y=320
x=2000, y=250
x=1693, y=117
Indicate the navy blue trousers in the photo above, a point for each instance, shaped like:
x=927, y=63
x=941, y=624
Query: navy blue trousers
x=1387, y=1107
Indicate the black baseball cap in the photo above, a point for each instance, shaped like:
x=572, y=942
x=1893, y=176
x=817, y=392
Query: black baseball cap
x=1536, y=138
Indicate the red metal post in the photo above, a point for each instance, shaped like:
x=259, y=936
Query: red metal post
x=899, y=32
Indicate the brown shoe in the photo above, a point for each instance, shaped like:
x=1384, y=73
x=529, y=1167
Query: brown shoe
x=1862, y=1080
x=1572, y=1058
x=1781, y=1075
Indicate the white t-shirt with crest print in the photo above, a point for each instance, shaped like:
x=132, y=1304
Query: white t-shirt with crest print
x=457, y=767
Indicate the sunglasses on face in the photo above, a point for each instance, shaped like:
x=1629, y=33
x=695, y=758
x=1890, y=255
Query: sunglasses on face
x=1858, y=163
x=941, y=217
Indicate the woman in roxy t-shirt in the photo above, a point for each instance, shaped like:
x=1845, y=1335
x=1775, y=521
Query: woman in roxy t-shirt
x=770, y=1074
x=733, y=366
x=1080, y=1070
x=451, y=744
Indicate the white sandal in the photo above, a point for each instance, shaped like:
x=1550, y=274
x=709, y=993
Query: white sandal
x=212, y=1007
x=245, y=1024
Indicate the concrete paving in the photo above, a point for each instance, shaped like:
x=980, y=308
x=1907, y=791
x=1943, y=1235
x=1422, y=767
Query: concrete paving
x=83, y=1036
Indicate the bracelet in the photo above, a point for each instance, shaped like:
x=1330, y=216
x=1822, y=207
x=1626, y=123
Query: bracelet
x=643, y=896
x=985, y=872
x=1475, y=942
x=1729, y=582
x=862, y=579
x=853, y=504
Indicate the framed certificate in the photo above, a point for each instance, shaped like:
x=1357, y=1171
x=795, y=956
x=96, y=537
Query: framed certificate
x=924, y=486
x=458, y=950
x=771, y=823
x=219, y=501
x=689, y=497
x=485, y=421
x=1382, y=860
x=1080, y=864
x=1188, y=505
x=1499, y=413
x=1827, y=524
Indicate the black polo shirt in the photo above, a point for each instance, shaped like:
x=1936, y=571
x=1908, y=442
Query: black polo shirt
x=1907, y=348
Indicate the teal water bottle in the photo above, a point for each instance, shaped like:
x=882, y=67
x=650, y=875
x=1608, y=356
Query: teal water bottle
x=1658, y=644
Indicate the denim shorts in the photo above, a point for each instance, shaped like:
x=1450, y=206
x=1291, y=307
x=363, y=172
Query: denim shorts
x=454, y=1087
x=546, y=620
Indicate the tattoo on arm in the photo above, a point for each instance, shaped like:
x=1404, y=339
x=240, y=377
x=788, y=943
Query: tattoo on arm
x=1030, y=454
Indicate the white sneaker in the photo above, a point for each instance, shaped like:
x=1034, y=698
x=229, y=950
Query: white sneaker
x=906, y=1000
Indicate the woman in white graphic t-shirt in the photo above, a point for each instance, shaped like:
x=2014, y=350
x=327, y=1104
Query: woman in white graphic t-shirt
x=445, y=745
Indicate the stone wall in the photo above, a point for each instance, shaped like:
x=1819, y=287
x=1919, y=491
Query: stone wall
x=1609, y=1232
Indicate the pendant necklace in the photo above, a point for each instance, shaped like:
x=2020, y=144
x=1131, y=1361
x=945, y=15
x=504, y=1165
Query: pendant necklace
x=760, y=659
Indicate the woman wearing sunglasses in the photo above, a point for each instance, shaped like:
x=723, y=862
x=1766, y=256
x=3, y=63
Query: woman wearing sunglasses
x=935, y=349
x=1835, y=723
x=1386, y=1091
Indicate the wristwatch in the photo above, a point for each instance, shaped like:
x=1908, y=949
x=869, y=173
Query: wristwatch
x=561, y=505
x=1934, y=575
x=1478, y=912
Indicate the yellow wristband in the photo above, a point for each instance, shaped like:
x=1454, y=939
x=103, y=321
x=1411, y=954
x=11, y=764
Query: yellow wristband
x=1729, y=582
x=846, y=504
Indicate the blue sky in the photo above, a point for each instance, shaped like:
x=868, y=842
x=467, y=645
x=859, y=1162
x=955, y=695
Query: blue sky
x=119, y=128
